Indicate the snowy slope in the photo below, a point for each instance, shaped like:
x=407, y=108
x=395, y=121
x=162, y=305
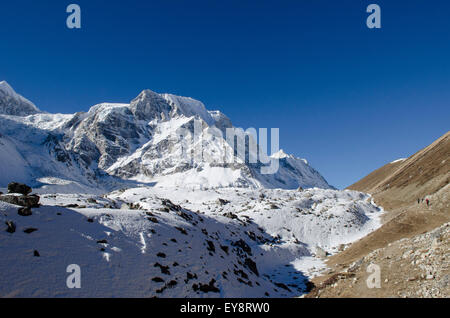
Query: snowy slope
x=150, y=140
x=137, y=244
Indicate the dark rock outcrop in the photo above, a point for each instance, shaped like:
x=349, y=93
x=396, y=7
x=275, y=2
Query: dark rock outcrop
x=31, y=201
x=11, y=227
x=21, y=188
x=25, y=211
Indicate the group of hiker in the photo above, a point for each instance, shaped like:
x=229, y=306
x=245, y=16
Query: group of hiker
x=426, y=200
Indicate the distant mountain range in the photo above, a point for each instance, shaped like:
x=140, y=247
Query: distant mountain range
x=146, y=141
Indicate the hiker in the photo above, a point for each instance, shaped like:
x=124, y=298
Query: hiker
x=428, y=202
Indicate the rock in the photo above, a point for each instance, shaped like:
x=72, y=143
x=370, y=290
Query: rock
x=251, y=265
x=182, y=231
x=281, y=285
x=21, y=188
x=158, y=280
x=274, y=206
x=164, y=269
x=171, y=206
x=207, y=288
x=321, y=253
x=300, y=189
x=224, y=248
x=230, y=215
x=11, y=227
x=153, y=219
x=222, y=202
x=102, y=242
x=26, y=211
x=211, y=246
x=36, y=253
x=31, y=201
x=162, y=255
x=172, y=283
x=243, y=245
x=30, y=230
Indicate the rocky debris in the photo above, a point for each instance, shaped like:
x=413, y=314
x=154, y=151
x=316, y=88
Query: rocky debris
x=283, y=286
x=153, y=219
x=206, y=288
x=222, y=202
x=243, y=246
x=30, y=230
x=158, y=280
x=411, y=267
x=31, y=201
x=211, y=246
x=172, y=283
x=26, y=211
x=21, y=188
x=171, y=206
x=190, y=276
x=274, y=206
x=181, y=230
x=11, y=226
x=164, y=269
x=251, y=265
x=230, y=215
x=162, y=255
x=102, y=242
x=224, y=248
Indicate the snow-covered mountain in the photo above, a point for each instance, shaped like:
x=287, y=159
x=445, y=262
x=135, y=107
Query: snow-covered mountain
x=153, y=199
x=156, y=138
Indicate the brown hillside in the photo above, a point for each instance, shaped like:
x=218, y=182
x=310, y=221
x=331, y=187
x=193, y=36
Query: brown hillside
x=396, y=187
x=403, y=182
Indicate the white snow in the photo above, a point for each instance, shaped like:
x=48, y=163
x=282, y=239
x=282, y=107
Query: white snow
x=281, y=227
x=399, y=160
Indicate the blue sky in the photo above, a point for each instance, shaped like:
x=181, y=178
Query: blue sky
x=347, y=98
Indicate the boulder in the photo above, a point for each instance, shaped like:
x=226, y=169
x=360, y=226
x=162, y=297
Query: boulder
x=222, y=202
x=31, y=201
x=11, y=227
x=321, y=253
x=21, y=188
x=25, y=211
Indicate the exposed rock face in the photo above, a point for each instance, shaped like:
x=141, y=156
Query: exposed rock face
x=21, y=188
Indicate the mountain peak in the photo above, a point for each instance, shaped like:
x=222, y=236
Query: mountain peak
x=5, y=87
x=14, y=104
